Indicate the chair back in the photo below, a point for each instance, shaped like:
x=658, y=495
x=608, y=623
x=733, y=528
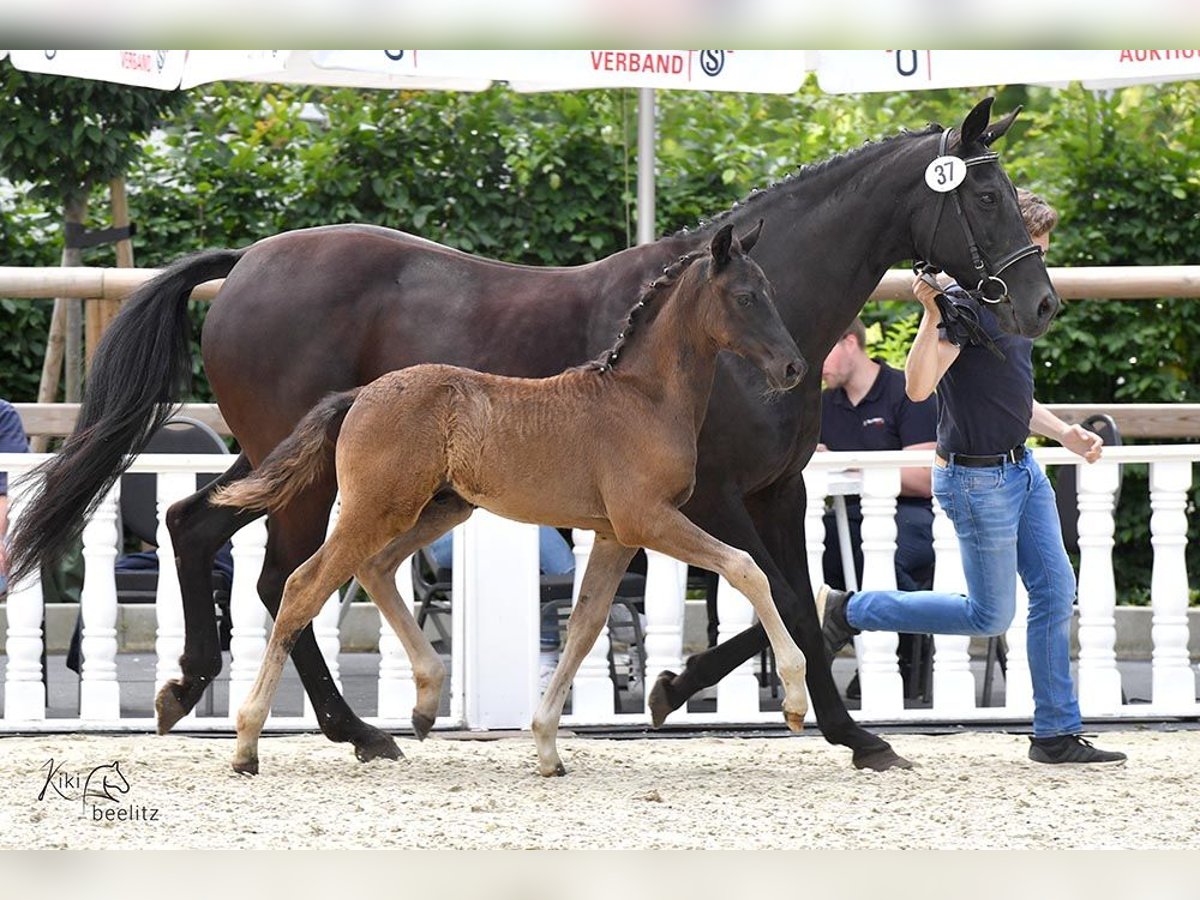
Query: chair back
x=1066, y=485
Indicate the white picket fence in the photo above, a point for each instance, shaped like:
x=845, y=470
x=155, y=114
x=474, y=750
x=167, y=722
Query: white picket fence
x=493, y=672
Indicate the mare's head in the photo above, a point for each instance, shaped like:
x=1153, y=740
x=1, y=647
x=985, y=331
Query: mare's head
x=968, y=224
x=737, y=310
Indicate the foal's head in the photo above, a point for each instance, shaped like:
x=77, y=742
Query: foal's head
x=737, y=310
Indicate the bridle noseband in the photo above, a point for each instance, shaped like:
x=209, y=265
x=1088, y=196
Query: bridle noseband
x=991, y=287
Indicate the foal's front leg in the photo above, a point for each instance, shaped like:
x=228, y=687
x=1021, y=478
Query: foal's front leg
x=669, y=531
x=606, y=565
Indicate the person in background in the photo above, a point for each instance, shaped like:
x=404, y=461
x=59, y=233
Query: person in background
x=12, y=440
x=1001, y=503
x=864, y=407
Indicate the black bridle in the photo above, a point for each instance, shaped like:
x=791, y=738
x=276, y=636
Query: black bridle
x=991, y=287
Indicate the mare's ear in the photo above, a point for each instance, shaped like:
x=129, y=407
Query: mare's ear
x=1000, y=127
x=749, y=240
x=720, y=247
x=975, y=123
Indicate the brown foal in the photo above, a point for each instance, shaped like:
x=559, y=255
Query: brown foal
x=609, y=447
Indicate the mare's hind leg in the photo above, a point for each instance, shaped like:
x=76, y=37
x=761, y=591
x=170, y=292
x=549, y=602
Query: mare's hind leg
x=378, y=576
x=606, y=565
x=671, y=532
x=354, y=540
x=198, y=530
x=294, y=534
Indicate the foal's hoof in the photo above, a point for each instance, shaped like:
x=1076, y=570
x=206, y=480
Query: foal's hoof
x=379, y=745
x=246, y=767
x=421, y=724
x=660, y=701
x=795, y=721
x=174, y=701
x=556, y=771
x=880, y=759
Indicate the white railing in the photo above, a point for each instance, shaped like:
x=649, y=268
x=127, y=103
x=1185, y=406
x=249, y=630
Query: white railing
x=493, y=672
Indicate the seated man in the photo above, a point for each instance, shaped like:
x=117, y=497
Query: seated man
x=864, y=407
x=12, y=440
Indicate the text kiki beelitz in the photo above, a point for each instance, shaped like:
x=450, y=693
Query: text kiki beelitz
x=99, y=791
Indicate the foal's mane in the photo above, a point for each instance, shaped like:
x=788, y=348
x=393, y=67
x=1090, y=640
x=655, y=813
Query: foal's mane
x=644, y=311
x=810, y=171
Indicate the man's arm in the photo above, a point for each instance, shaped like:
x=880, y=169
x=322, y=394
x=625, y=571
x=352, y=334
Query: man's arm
x=930, y=356
x=1075, y=438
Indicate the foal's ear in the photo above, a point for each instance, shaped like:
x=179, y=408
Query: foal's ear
x=748, y=241
x=975, y=123
x=1000, y=127
x=721, y=243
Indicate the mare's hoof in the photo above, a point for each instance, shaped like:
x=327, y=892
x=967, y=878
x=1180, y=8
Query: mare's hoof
x=880, y=759
x=174, y=701
x=421, y=724
x=660, y=701
x=377, y=746
x=249, y=767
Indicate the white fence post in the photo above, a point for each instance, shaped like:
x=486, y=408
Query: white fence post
x=1172, y=683
x=737, y=692
x=816, y=489
x=666, y=587
x=499, y=599
x=953, y=683
x=592, y=690
x=247, y=615
x=1018, y=681
x=397, y=692
x=99, y=692
x=882, y=688
x=24, y=690
x=1099, y=680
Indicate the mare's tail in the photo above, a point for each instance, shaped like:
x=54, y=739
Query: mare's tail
x=295, y=463
x=139, y=369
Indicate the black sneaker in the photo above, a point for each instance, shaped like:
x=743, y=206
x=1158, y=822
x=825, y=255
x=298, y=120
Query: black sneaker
x=1072, y=750
x=831, y=609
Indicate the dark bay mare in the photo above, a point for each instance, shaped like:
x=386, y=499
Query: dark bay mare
x=609, y=447
x=322, y=310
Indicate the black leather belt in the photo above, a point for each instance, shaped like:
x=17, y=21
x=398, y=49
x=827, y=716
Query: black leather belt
x=1016, y=454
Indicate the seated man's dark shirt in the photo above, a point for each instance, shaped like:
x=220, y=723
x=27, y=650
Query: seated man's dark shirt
x=885, y=419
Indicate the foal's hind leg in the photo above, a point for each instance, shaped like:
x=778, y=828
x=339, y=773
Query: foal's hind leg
x=294, y=534
x=378, y=576
x=355, y=538
x=606, y=565
x=669, y=531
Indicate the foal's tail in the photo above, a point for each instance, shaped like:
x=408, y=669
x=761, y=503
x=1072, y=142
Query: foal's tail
x=137, y=374
x=295, y=463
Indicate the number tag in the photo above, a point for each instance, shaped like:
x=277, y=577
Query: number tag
x=945, y=173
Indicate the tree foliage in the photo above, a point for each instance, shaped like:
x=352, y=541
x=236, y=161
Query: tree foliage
x=547, y=179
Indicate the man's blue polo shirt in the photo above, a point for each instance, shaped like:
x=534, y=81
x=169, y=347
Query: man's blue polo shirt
x=885, y=419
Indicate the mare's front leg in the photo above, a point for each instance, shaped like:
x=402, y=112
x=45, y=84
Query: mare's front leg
x=293, y=535
x=778, y=515
x=198, y=531
x=669, y=531
x=606, y=565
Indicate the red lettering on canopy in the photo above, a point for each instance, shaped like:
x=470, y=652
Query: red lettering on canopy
x=139, y=62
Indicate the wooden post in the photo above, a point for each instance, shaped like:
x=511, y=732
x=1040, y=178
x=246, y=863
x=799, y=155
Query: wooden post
x=56, y=340
x=101, y=311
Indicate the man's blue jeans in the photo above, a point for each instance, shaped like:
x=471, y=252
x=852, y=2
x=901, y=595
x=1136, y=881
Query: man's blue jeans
x=1007, y=524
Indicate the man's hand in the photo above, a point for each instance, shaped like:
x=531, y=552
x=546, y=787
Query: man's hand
x=926, y=289
x=1082, y=442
